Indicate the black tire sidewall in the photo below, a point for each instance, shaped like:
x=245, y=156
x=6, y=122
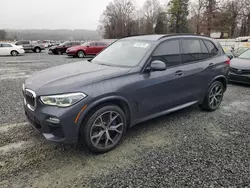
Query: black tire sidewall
x=205, y=104
x=86, y=127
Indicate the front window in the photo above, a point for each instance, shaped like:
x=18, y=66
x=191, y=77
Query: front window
x=123, y=53
x=245, y=55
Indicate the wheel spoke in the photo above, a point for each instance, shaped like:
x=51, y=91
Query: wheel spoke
x=115, y=128
x=212, y=101
x=111, y=119
x=107, y=139
x=98, y=137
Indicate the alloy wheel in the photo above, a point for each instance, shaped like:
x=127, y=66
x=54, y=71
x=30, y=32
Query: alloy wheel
x=215, y=96
x=107, y=130
x=80, y=54
x=14, y=53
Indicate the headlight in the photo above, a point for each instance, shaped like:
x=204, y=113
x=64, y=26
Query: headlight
x=63, y=100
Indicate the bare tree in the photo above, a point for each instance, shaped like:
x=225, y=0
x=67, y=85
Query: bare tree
x=116, y=19
x=151, y=9
x=197, y=10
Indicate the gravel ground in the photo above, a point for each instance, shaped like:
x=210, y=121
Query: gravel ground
x=189, y=148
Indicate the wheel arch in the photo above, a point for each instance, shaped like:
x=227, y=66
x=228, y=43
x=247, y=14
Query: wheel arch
x=115, y=100
x=222, y=79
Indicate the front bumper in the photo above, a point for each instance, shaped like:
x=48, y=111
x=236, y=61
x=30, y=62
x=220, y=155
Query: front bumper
x=239, y=78
x=43, y=119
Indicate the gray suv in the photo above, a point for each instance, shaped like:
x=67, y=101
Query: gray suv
x=134, y=79
x=29, y=45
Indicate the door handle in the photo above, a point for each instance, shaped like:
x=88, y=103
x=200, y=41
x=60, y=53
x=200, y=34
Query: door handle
x=178, y=73
x=210, y=64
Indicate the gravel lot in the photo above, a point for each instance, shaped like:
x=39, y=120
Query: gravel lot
x=189, y=148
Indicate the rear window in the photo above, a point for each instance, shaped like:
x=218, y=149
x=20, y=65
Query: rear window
x=211, y=48
x=193, y=50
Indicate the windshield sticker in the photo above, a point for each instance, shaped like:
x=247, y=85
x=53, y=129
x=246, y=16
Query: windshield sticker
x=141, y=45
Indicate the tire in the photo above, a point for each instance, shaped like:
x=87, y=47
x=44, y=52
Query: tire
x=80, y=54
x=213, y=97
x=14, y=53
x=37, y=50
x=110, y=131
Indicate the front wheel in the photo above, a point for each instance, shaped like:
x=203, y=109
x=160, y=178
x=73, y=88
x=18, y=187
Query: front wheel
x=80, y=54
x=104, y=129
x=213, y=97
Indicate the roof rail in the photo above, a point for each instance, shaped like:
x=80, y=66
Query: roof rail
x=182, y=34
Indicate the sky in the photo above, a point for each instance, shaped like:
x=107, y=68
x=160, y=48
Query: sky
x=52, y=14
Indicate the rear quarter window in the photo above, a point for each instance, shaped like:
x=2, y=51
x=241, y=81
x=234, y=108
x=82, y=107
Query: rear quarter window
x=212, y=49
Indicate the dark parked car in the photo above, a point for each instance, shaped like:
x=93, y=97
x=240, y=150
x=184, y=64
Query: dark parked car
x=132, y=80
x=29, y=45
x=86, y=49
x=61, y=49
x=240, y=68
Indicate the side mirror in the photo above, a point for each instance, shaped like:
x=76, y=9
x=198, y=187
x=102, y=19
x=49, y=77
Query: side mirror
x=158, y=66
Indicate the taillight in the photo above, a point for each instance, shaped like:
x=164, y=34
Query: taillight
x=228, y=62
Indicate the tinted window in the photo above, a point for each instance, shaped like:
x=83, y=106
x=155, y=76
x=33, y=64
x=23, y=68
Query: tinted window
x=76, y=43
x=101, y=44
x=168, y=51
x=211, y=48
x=92, y=44
x=6, y=45
x=25, y=42
x=193, y=50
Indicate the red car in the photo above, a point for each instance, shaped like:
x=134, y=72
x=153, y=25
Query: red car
x=86, y=49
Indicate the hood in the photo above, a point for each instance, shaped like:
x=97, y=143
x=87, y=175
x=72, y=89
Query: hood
x=70, y=77
x=53, y=47
x=240, y=63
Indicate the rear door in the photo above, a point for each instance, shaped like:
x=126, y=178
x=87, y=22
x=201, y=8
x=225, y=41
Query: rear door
x=6, y=49
x=196, y=68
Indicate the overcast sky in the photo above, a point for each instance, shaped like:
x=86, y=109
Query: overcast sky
x=52, y=14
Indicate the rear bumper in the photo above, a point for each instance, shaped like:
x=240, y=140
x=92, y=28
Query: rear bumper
x=239, y=78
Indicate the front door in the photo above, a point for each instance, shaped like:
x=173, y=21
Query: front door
x=162, y=90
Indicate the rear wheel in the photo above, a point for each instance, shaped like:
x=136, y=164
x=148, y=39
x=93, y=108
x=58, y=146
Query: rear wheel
x=14, y=53
x=104, y=129
x=80, y=54
x=213, y=97
x=37, y=50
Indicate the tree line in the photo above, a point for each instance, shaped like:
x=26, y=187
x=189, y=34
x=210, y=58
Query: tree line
x=229, y=17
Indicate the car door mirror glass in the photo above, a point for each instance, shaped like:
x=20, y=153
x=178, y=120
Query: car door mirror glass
x=158, y=66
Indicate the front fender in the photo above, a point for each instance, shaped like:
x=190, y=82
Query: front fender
x=95, y=102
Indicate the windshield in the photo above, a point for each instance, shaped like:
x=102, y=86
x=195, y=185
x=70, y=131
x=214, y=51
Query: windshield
x=239, y=51
x=245, y=55
x=85, y=44
x=124, y=53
